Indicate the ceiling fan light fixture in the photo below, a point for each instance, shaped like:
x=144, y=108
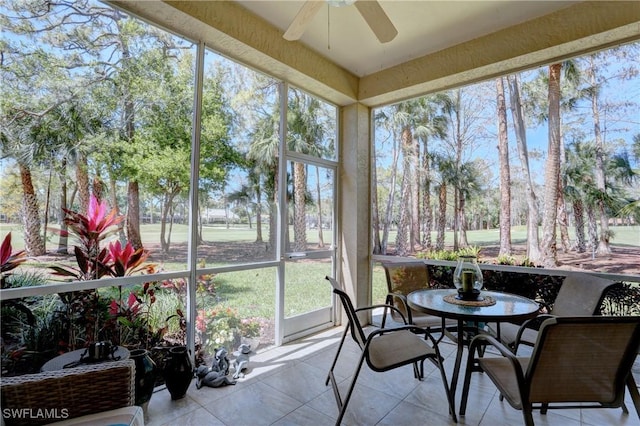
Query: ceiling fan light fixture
x=340, y=3
x=371, y=11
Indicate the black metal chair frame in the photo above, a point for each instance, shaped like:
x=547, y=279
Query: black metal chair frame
x=523, y=365
x=364, y=342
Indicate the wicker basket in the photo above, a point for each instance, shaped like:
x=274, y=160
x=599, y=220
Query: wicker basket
x=42, y=398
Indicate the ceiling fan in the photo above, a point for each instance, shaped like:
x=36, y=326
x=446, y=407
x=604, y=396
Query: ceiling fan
x=370, y=10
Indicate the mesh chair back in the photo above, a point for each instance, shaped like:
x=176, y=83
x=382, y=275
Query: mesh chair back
x=584, y=359
x=403, y=278
x=580, y=294
x=354, y=323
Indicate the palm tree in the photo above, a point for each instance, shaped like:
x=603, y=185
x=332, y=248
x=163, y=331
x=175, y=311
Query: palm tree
x=386, y=119
x=305, y=133
x=533, y=244
x=403, y=116
x=468, y=182
x=505, y=176
x=431, y=123
x=594, y=90
x=552, y=171
x=263, y=152
x=17, y=141
x=579, y=176
x=242, y=197
x=447, y=174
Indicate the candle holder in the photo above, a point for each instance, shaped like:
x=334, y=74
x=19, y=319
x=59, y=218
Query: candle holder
x=467, y=278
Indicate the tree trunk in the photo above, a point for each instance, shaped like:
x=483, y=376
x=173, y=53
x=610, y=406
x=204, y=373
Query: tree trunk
x=442, y=216
x=405, y=223
x=462, y=221
x=375, y=209
x=592, y=229
x=98, y=188
x=82, y=183
x=273, y=211
x=578, y=215
x=505, y=175
x=456, y=218
x=133, y=215
x=563, y=221
x=402, y=248
x=46, y=209
x=258, y=214
x=63, y=240
x=552, y=172
x=319, y=203
x=114, y=205
x=388, y=217
x=299, y=209
x=603, y=244
x=33, y=244
x=533, y=242
x=414, y=235
x=427, y=216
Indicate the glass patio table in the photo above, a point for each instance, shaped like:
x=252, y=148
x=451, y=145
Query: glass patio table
x=496, y=307
x=78, y=357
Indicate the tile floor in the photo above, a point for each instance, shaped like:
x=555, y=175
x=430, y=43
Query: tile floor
x=286, y=386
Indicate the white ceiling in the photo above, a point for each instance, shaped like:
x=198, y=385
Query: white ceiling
x=424, y=27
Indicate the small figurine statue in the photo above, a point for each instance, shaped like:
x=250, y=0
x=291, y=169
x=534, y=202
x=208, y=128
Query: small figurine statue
x=242, y=360
x=221, y=362
x=208, y=377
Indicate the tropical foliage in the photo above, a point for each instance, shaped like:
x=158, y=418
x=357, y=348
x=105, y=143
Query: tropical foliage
x=435, y=167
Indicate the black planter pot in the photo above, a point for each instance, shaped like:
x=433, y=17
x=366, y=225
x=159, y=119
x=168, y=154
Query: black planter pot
x=178, y=371
x=145, y=376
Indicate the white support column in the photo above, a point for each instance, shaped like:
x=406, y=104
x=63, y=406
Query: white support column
x=354, y=210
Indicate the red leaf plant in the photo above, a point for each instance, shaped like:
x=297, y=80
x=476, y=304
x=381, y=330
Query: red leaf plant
x=8, y=260
x=90, y=230
x=125, y=260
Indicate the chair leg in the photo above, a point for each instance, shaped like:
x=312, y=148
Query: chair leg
x=384, y=317
x=335, y=360
x=625, y=410
x=633, y=391
x=442, y=331
x=544, y=407
x=527, y=414
x=342, y=405
x=447, y=389
x=467, y=382
x=416, y=371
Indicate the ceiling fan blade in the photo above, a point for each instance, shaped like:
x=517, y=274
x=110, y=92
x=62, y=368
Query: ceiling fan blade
x=302, y=19
x=377, y=20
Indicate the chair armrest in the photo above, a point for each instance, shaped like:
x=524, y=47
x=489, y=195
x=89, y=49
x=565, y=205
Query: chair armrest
x=533, y=324
x=484, y=339
x=487, y=339
x=403, y=300
x=71, y=392
x=385, y=307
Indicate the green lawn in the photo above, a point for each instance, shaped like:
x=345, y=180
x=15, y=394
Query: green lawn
x=622, y=235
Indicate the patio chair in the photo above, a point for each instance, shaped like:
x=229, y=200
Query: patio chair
x=576, y=362
x=402, y=279
x=384, y=350
x=580, y=294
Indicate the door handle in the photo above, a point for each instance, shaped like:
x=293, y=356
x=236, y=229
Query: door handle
x=297, y=255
